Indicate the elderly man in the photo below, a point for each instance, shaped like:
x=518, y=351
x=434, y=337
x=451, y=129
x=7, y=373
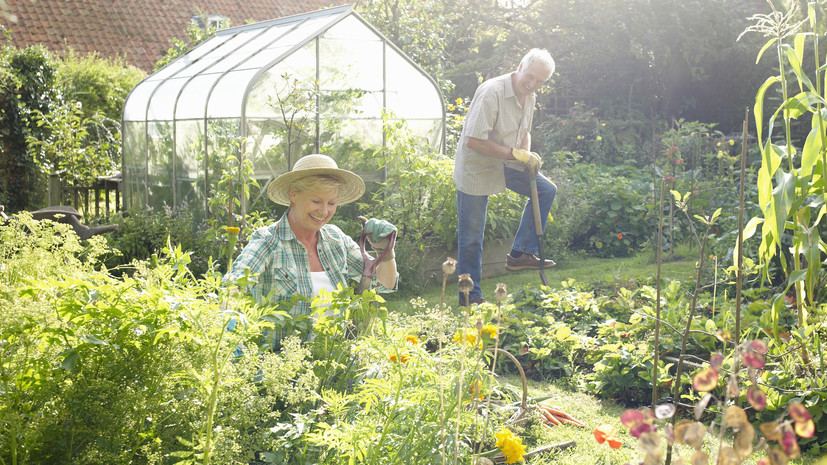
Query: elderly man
x=494, y=154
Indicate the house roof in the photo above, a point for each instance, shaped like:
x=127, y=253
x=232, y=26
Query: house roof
x=137, y=30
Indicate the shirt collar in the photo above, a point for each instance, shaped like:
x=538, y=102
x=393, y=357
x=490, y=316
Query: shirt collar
x=284, y=233
x=509, y=86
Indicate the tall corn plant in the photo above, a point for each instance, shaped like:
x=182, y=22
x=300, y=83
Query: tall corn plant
x=791, y=180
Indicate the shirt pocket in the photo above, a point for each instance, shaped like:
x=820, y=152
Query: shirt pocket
x=285, y=283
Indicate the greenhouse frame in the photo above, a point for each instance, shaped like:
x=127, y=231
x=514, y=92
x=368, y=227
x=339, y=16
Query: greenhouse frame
x=268, y=93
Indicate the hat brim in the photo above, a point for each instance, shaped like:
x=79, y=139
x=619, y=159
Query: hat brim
x=352, y=187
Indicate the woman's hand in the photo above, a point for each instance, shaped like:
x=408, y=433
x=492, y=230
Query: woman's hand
x=378, y=232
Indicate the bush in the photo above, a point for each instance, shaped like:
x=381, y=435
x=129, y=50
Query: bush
x=599, y=210
x=27, y=83
x=143, y=233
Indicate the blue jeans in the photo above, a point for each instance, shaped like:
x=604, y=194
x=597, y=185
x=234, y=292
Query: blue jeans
x=471, y=226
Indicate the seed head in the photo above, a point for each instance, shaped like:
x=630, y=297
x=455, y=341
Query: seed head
x=501, y=292
x=449, y=266
x=466, y=284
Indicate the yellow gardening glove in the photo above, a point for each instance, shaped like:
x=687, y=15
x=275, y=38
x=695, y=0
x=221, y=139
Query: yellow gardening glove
x=530, y=159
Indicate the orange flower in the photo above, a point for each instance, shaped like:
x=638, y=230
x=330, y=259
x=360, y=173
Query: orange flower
x=620, y=236
x=606, y=433
x=403, y=357
x=412, y=339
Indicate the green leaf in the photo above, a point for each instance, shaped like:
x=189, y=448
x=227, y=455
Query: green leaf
x=795, y=59
x=783, y=196
x=563, y=332
x=93, y=340
x=761, y=52
x=710, y=326
x=797, y=276
x=798, y=105
x=812, y=149
x=751, y=226
x=70, y=360
x=758, y=109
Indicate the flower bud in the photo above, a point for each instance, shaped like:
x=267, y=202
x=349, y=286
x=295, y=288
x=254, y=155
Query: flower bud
x=479, y=324
x=449, y=266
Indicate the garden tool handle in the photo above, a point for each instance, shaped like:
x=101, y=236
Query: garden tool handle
x=538, y=224
x=535, y=203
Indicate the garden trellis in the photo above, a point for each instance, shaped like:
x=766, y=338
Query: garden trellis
x=273, y=91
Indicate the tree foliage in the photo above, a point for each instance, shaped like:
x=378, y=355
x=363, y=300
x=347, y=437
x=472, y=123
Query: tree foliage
x=668, y=59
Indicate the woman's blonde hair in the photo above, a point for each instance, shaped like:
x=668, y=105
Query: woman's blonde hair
x=316, y=183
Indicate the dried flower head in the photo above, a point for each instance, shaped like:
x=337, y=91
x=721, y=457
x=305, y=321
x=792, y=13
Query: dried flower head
x=465, y=284
x=501, y=292
x=449, y=266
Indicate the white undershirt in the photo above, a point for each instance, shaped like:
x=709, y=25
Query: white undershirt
x=320, y=281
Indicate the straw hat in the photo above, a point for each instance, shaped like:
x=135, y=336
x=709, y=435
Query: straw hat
x=351, y=188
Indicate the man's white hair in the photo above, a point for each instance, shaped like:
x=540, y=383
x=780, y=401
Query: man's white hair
x=538, y=55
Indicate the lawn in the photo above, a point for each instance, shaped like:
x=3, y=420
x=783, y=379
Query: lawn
x=639, y=268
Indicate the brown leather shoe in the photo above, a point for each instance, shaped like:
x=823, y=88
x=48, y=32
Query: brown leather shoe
x=474, y=300
x=525, y=262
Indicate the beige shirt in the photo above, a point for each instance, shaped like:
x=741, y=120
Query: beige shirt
x=495, y=114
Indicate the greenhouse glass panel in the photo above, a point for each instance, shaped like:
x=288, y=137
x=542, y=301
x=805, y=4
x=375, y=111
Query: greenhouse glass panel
x=267, y=146
x=162, y=102
x=351, y=104
x=134, y=108
x=191, y=57
x=410, y=94
x=349, y=58
x=159, y=164
x=191, y=103
x=134, y=168
x=271, y=86
x=227, y=97
x=189, y=163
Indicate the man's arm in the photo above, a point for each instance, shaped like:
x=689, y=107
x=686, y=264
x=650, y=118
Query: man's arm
x=490, y=148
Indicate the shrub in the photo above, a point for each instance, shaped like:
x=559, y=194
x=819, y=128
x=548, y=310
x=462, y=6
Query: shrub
x=28, y=83
x=143, y=233
x=605, y=211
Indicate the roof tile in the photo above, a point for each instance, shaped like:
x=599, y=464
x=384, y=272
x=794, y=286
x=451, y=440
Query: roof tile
x=139, y=30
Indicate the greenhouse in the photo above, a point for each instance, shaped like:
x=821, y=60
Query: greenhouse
x=272, y=92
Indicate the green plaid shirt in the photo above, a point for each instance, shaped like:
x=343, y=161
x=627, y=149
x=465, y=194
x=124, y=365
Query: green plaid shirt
x=283, y=266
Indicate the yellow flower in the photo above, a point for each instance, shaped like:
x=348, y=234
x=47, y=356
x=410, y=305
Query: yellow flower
x=550, y=218
x=412, y=339
x=732, y=142
x=470, y=337
x=233, y=230
x=599, y=138
x=511, y=446
x=491, y=330
x=718, y=144
x=579, y=137
x=475, y=390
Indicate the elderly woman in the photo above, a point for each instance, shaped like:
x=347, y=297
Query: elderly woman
x=302, y=253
